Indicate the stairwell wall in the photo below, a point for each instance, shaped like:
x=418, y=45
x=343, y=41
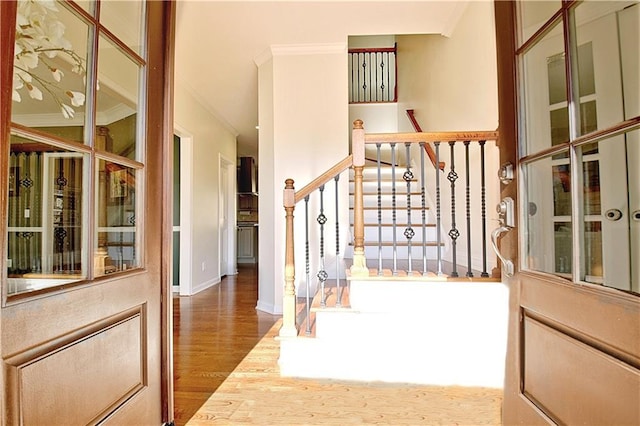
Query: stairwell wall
x=451, y=84
x=303, y=116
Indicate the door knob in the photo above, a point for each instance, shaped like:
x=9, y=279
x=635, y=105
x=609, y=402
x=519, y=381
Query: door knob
x=636, y=215
x=613, y=214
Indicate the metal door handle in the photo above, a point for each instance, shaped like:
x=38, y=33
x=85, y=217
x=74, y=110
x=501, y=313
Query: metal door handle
x=506, y=263
x=613, y=214
x=636, y=215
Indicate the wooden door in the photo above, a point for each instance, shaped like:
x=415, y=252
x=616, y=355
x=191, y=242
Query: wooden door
x=569, y=124
x=86, y=135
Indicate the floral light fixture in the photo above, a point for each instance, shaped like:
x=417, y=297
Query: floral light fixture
x=39, y=39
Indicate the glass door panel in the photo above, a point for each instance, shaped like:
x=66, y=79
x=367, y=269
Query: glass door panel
x=544, y=94
x=117, y=245
x=50, y=69
x=117, y=100
x=47, y=207
x=547, y=227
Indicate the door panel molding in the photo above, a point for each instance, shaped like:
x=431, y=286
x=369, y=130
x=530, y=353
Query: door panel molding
x=554, y=365
x=39, y=377
x=570, y=307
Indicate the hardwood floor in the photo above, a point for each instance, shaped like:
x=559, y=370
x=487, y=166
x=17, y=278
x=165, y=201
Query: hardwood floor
x=212, y=332
x=226, y=372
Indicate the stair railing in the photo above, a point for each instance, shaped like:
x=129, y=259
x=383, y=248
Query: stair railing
x=356, y=161
x=449, y=207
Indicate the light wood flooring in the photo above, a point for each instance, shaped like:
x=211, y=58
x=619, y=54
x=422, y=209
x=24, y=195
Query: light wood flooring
x=226, y=372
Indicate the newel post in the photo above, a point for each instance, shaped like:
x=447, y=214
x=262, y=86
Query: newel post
x=359, y=267
x=289, y=328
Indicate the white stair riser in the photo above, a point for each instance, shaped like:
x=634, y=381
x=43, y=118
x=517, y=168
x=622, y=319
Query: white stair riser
x=371, y=216
x=371, y=254
x=427, y=333
x=386, y=201
x=371, y=233
x=371, y=186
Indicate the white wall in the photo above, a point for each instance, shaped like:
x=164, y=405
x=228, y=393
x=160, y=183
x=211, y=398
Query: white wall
x=210, y=139
x=451, y=83
x=303, y=109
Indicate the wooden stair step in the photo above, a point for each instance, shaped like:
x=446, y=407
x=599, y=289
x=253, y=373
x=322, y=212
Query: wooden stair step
x=386, y=224
x=330, y=303
x=389, y=193
x=397, y=208
x=399, y=244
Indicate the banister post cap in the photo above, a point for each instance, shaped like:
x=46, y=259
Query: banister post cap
x=358, y=124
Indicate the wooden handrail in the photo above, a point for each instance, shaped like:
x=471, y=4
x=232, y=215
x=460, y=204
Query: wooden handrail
x=427, y=147
x=472, y=136
x=324, y=178
x=373, y=49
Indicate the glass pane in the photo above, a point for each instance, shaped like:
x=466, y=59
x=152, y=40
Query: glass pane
x=544, y=94
x=600, y=63
x=561, y=190
x=49, y=70
x=88, y=5
x=116, y=217
x=46, y=226
x=628, y=24
x=533, y=14
x=548, y=224
x=124, y=19
x=611, y=248
x=563, y=250
x=632, y=140
x=593, y=252
x=591, y=182
x=117, y=102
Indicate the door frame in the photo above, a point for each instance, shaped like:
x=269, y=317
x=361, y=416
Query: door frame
x=227, y=198
x=186, y=204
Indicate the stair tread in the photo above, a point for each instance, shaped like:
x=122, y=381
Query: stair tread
x=330, y=303
x=393, y=208
x=398, y=193
x=386, y=224
x=398, y=244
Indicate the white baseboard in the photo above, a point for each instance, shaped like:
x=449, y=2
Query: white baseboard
x=269, y=308
x=205, y=285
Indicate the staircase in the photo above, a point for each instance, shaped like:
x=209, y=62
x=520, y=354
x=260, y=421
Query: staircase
x=399, y=319
x=379, y=241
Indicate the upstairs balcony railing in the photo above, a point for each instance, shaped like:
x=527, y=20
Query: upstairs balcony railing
x=373, y=75
x=455, y=219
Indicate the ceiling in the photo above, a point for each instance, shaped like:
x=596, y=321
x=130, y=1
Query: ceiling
x=218, y=41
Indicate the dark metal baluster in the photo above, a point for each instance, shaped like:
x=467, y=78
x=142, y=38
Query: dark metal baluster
x=382, y=76
x=393, y=207
x=361, y=61
x=453, y=233
x=483, y=199
x=408, y=232
x=378, y=146
x=353, y=82
x=376, y=74
x=468, y=207
x=438, y=230
x=322, y=274
x=307, y=263
x=423, y=210
x=388, y=79
x=338, y=292
x=372, y=69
